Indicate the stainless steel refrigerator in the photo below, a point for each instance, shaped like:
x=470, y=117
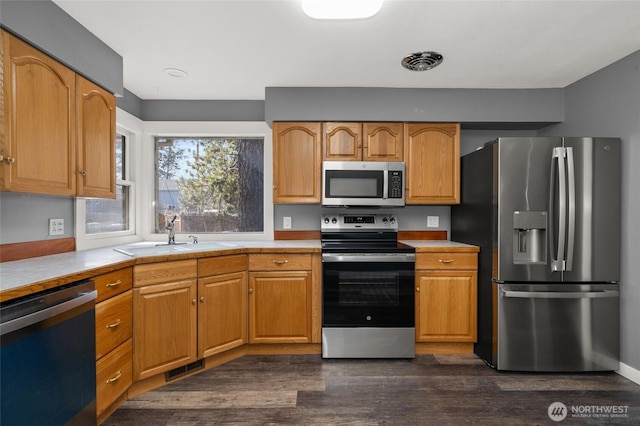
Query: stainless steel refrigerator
x=545, y=213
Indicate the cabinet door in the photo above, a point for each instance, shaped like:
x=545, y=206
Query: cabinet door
x=96, y=133
x=432, y=153
x=446, y=306
x=280, y=307
x=383, y=141
x=297, y=162
x=38, y=121
x=164, y=332
x=342, y=141
x=222, y=313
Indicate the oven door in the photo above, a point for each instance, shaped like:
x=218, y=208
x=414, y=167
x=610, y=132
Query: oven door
x=368, y=290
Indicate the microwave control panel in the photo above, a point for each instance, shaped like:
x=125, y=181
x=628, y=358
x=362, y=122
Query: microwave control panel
x=396, y=188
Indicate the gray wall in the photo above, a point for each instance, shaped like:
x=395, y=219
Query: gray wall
x=607, y=103
x=52, y=30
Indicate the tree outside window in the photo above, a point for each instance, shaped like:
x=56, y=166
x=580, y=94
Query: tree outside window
x=209, y=184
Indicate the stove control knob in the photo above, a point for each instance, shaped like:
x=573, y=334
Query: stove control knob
x=326, y=220
x=334, y=220
x=393, y=220
x=385, y=220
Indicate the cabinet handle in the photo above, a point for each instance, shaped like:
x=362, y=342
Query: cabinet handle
x=113, y=284
x=445, y=260
x=201, y=299
x=250, y=290
x=418, y=289
x=10, y=160
x=193, y=302
x=83, y=172
x=280, y=262
x=115, y=324
x=275, y=186
x=115, y=378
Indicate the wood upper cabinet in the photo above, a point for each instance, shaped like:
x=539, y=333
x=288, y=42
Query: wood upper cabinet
x=58, y=134
x=446, y=297
x=297, y=162
x=38, y=143
x=363, y=141
x=432, y=155
x=96, y=121
x=165, y=317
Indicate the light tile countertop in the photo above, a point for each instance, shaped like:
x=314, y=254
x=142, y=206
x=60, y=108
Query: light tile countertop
x=49, y=271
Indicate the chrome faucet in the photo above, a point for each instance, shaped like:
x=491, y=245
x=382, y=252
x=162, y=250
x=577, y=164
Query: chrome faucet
x=195, y=239
x=172, y=232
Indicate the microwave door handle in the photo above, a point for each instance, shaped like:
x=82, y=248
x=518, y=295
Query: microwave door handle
x=385, y=184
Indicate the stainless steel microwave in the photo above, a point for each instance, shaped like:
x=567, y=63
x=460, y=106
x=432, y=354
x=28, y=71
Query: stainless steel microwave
x=363, y=183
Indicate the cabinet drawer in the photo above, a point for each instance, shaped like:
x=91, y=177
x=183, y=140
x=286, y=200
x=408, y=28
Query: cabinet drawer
x=112, y=283
x=446, y=260
x=158, y=273
x=221, y=265
x=280, y=262
x=113, y=322
x=114, y=375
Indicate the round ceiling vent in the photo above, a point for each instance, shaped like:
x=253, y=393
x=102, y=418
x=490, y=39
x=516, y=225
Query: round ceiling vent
x=422, y=61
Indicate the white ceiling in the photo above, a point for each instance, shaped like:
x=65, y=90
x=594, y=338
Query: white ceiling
x=234, y=49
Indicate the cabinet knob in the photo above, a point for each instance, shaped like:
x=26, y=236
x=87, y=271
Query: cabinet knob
x=10, y=160
x=201, y=299
x=418, y=289
x=83, y=172
x=250, y=290
x=193, y=302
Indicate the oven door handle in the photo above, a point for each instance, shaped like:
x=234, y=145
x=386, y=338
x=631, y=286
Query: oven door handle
x=368, y=257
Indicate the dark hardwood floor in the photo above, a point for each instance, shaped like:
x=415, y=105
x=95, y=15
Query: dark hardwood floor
x=430, y=390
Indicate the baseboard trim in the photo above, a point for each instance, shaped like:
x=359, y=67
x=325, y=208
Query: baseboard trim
x=629, y=372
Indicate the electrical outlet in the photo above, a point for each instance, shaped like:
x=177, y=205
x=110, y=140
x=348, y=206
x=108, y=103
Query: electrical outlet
x=433, y=221
x=286, y=222
x=56, y=226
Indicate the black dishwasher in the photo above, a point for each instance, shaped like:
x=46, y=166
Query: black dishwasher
x=48, y=357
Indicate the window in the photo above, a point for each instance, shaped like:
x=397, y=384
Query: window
x=107, y=215
x=209, y=184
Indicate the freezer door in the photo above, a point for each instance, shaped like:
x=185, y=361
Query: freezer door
x=593, y=226
x=522, y=191
x=557, y=327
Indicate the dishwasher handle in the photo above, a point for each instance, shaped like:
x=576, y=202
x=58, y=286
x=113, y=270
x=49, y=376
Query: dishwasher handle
x=50, y=312
x=560, y=294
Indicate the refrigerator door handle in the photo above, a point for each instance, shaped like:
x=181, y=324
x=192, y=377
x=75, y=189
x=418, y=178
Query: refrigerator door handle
x=560, y=294
x=571, y=228
x=557, y=258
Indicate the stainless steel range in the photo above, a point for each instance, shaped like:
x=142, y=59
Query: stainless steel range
x=368, y=308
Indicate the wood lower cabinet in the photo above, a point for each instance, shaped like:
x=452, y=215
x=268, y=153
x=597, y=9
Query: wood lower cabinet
x=432, y=156
x=297, y=162
x=446, y=297
x=165, y=314
x=223, y=304
x=58, y=127
x=114, y=325
x=280, y=298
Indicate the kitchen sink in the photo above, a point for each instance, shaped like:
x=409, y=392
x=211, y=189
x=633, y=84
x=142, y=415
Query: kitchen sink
x=151, y=249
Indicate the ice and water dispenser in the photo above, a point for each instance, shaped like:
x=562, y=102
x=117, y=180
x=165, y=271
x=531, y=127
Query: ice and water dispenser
x=530, y=237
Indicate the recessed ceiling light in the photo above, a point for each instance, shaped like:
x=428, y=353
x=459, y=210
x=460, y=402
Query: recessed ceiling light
x=176, y=73
x=422, y=61
x=341, y=9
